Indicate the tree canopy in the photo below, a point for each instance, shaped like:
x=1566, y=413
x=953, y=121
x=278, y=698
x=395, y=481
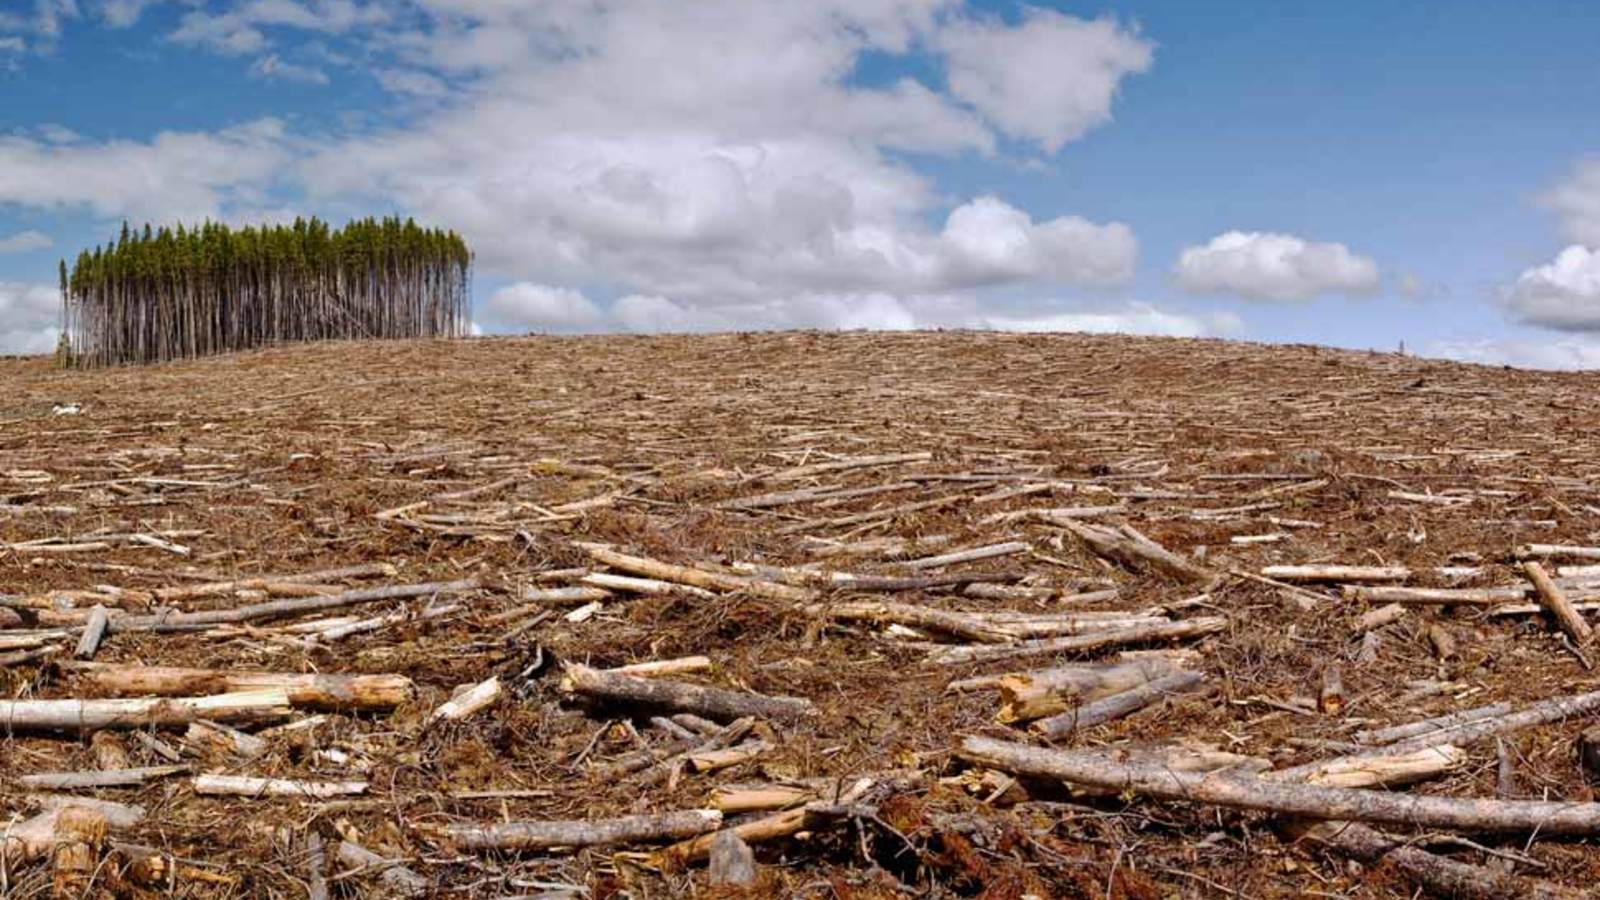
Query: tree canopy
x=172, y=293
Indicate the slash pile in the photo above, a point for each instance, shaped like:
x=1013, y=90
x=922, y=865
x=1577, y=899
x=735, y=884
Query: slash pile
x=817, y=615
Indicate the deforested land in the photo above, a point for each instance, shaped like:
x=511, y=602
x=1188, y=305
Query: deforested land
x=820, y=615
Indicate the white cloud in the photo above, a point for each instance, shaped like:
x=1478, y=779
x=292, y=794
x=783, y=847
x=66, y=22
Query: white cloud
x=272, y=67
x=29, y=315
x=1136, y=318
x=1567, y=353
x=1267, y=266
x=1049, y=79
x=175, y=175
x=537, y=307
x=1577, y=202
x=722, y=154
x=1563, y=294
x=987, y=240
x=124, y=13
x=23, y=241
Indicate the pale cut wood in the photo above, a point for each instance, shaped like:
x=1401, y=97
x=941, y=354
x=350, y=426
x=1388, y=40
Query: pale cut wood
x=78, y=781
x=1417, y=596
x=686, y=665
x=263, y=705
x=475, y=698
x=1382, y=771
x=1377, y=618
x=511, y=836
x=921, y=617
x=1116, y=705
x=767, y=828
x=733, y=800
x=219, y=738
x=960, y=556
x=247, y=786
x=94, y=630
x=1551, y=598
x=278, y=609
x=1341, y=573
x=711, y=702
x=222, y=588
x=312, y=691
x=1128, y=546
x=954, y=656
x=700, y=578
x=1235, y=791
x=109, y=751
x=1557, y=551
x=1436, y=724
x=844, y=465
x=1025, y=696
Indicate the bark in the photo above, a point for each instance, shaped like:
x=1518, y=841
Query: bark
x=324, y=692
x=1025, y=696
x=1080, y=643
x=1230, y=790
x=77, y=781
x=1116, y=706
x=1131, y=548
x=1551, y=598
x=316, y=867
x=583, y=833
x=396, y=879
x=94, y=630
x=732, y=862
x=261, y=705
x=80, y=834
x=278, y=609
x=1440, y=875
x=713, y=703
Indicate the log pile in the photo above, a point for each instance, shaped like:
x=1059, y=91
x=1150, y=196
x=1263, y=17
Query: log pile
x=934, y=615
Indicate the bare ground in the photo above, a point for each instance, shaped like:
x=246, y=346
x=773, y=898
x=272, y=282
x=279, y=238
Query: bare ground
x=278, y=462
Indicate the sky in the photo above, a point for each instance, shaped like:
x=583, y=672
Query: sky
x=1361, y=174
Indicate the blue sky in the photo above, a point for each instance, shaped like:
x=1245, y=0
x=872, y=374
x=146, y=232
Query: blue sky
x=1357, y=174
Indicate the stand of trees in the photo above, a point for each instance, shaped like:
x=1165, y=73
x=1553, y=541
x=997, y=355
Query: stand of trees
x=176, y=293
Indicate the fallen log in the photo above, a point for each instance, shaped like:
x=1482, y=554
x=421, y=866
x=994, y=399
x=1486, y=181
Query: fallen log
x=767, y=828
x=313, y=691
x=396, y=878
x=926, y=618
x=278, y=609
x=1341, y=573
x=1434, y=725
x=263, y=705
x=78, y=781
x=711, y=702
x=954, y=656
x=468, y=701
x=1025, y=696
x=1441, y=875
x=1235, y=791
x=1557, y=604
x=1116, y=705
x=513, y=836
x=1128, y=546
x=1381, y=771
x=700, y=578
x=247, y=786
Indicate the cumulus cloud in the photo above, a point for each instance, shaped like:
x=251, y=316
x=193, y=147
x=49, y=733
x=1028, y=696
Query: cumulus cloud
x=23, y=241
x=1577, y=202
x=1136, y=318
x=29, y=315
x=602, y=144
x=1049, y=79
x=538, y=307
x=1259, y=265
x=1563, y=294
x=175, y=175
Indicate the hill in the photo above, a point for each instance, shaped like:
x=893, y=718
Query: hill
x=507, y=515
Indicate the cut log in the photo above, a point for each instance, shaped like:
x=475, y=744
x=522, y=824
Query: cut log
x=278, y=609
x=213, y=737
x=1129, y=547
x=960, y=556
x=767, y=828
x=1337, y=573
x=1416, y=596
x=1025, y=696
x=1381, y=771
x=1234, y=791
x=1331, y=698
x=246, y=786
x=94, y=631
x=1557, y=551
x=660, y=693
x=78, y=781
x=687, y=665
x=327, y=692
x=1435, y=725
x=956, y=624
x=262, y=705
x=109, y=752
x=1551, y=598
x=954, y=656
x=466, y=702
x=521, y=836
x=223, y=588
x=732, y=800
x=1116, y=706
x=700, y=578
x=316, y=867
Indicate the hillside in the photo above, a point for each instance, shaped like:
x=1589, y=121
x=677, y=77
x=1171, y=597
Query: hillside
x=516, y=479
